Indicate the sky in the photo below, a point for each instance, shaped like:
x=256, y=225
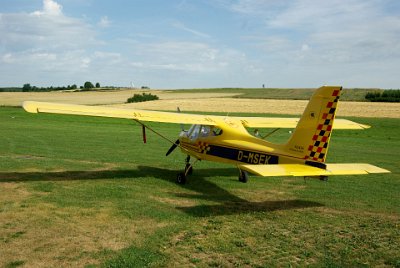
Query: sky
x=200, y=43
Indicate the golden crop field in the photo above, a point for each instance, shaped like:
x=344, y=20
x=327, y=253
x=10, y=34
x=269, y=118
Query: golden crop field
x=199, y=102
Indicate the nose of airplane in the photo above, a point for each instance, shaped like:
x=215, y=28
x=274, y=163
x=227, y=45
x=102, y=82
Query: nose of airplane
x=172, y=148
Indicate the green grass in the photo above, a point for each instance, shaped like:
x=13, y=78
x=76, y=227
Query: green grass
x=83, y=191
x=349, y=94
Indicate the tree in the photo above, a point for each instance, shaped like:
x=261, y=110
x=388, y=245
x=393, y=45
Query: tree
x=97, y=85
x=88, y=85
x=26, y=88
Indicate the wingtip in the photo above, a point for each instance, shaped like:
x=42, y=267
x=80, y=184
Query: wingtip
x=29, y=107
x=365, y=126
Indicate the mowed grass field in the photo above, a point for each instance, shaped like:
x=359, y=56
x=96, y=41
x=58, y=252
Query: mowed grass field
x=86, y=192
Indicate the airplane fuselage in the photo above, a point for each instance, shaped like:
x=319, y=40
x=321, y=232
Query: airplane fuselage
x=240, y=147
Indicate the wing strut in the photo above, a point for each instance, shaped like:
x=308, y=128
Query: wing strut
x=144, y=133
x=269, y=134
x=144, y=126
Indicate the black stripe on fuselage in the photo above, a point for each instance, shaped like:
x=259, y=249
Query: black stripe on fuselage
x=244, y=156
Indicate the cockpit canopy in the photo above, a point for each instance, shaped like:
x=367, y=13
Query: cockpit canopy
x=203, y=131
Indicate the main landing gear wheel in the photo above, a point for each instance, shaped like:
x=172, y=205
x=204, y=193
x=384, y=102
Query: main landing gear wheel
x=243, y=176
x=181, y=178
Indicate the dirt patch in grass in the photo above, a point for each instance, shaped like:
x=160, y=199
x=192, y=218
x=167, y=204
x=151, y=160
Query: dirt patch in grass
x=176, y=202
x=40, y=234
x=13, y=192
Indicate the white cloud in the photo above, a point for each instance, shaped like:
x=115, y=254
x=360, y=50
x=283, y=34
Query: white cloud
x=44, y=41
x=8, y=58
x=47, y=29
x=356, y=31
x=50, y=7
x=104, y=22
x=305, y=47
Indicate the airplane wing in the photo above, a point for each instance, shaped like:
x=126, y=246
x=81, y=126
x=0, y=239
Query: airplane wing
x=103, y=111
x=277, y=122
x=305, y=170
x=169, y=117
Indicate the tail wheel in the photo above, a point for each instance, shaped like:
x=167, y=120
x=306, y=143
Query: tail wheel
x=243, y=176
x=323, y=178
x=181, y=178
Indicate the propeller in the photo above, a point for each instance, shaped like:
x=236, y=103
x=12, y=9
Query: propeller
x=173, y=147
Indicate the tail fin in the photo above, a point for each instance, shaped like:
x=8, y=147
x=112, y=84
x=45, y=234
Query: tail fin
x=310, y=139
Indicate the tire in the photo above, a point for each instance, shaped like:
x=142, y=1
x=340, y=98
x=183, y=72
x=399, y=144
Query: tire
x=243, y=176
x=181, y=178
x=323, y=178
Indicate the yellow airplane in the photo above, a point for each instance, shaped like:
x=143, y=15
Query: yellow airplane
x=226, y=139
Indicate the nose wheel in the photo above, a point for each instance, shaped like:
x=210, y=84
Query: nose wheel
x=182, y=176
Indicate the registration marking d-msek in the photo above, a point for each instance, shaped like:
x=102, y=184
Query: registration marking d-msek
x=256, y=158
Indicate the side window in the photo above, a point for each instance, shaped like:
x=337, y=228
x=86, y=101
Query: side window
x=205, y=131
x=216, y=131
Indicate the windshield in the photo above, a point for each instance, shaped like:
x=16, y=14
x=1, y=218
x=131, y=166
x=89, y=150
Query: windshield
x=203, y=131
x=194, y=132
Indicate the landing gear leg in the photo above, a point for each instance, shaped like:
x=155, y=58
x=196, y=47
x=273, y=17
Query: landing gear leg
x=188, y=166
x=181, y=177
x=243, y=176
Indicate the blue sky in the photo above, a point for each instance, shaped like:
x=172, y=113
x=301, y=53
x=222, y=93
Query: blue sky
x=200, y=43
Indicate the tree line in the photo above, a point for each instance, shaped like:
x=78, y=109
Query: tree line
x=86, y=86
x=390, y=95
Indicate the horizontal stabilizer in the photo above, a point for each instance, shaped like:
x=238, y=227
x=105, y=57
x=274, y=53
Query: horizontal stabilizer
x=300, y=170
x=345, y=169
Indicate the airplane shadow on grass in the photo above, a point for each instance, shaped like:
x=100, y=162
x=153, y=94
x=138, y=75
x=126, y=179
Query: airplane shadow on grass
x=204, y=189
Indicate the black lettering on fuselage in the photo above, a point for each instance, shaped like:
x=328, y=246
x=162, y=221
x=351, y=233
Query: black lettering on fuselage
x=247, y=157
x=240, y=156
x=256, y=158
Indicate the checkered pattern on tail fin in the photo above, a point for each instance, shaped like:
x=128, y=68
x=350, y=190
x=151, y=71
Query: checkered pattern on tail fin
x=319, y=146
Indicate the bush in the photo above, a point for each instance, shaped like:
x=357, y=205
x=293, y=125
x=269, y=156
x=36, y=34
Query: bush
x=142, y=97
x=385, y=96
